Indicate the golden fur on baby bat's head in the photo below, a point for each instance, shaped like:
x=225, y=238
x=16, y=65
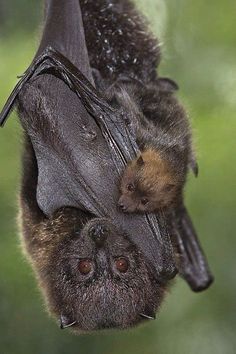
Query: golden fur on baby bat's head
x=149, y=183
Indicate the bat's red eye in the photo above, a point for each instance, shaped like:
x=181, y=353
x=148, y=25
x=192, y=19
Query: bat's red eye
x=122, y=265
x=130, y=187
x=144, y=201
x=85, y=266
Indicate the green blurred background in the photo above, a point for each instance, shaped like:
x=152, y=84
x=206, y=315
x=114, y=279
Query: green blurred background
x=199, y=52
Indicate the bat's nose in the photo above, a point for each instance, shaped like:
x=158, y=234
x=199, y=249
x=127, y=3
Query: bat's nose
x=122, y=206
x=122, y=203
x=99, y=234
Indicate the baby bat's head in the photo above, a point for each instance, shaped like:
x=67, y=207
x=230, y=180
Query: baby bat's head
x=148, y=183
x=93, y=276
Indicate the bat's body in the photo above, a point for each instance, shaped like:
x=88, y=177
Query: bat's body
x=98, y=267
x=124, y=45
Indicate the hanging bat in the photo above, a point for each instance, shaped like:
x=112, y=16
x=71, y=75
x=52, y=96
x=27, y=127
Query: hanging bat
x=98, y=267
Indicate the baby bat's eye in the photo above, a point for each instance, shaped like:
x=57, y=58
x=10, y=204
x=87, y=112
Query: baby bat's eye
x=130, y=187
x=85, y=266
x=122, y=265
x=144, y=201
x=169, y=187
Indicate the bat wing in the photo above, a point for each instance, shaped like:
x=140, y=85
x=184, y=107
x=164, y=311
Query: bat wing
x=192, y=264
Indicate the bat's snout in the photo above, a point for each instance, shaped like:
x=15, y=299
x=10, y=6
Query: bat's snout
x=99, y=234
x=126, y=205
x=121, y=204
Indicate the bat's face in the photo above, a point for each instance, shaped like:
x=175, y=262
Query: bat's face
x=148, y=184
x=95, y=278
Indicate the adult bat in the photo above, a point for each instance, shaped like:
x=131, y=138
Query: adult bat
x=97, y=267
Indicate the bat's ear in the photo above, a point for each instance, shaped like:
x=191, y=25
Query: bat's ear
x=64, y=31
x=193, y=165
x=140, y=161
x=167, y=85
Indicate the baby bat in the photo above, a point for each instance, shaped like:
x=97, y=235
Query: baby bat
x=97, y=267
x=155, y=178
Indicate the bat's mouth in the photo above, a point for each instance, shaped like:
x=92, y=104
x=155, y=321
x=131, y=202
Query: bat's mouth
x=104, y=316
x=105, y=324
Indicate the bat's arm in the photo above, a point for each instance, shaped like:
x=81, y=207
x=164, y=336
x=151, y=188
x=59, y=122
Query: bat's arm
x=30, y=72
x=51, y=59
x=113, y=128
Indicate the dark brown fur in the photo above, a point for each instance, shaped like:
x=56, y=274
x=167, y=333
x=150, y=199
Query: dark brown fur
x=118, y=40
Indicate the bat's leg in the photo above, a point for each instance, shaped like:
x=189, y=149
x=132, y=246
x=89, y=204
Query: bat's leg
x=192, y=264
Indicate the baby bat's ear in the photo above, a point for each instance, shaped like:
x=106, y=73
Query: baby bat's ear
x=167, y=85
x=169, y=187
x=140, y=161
